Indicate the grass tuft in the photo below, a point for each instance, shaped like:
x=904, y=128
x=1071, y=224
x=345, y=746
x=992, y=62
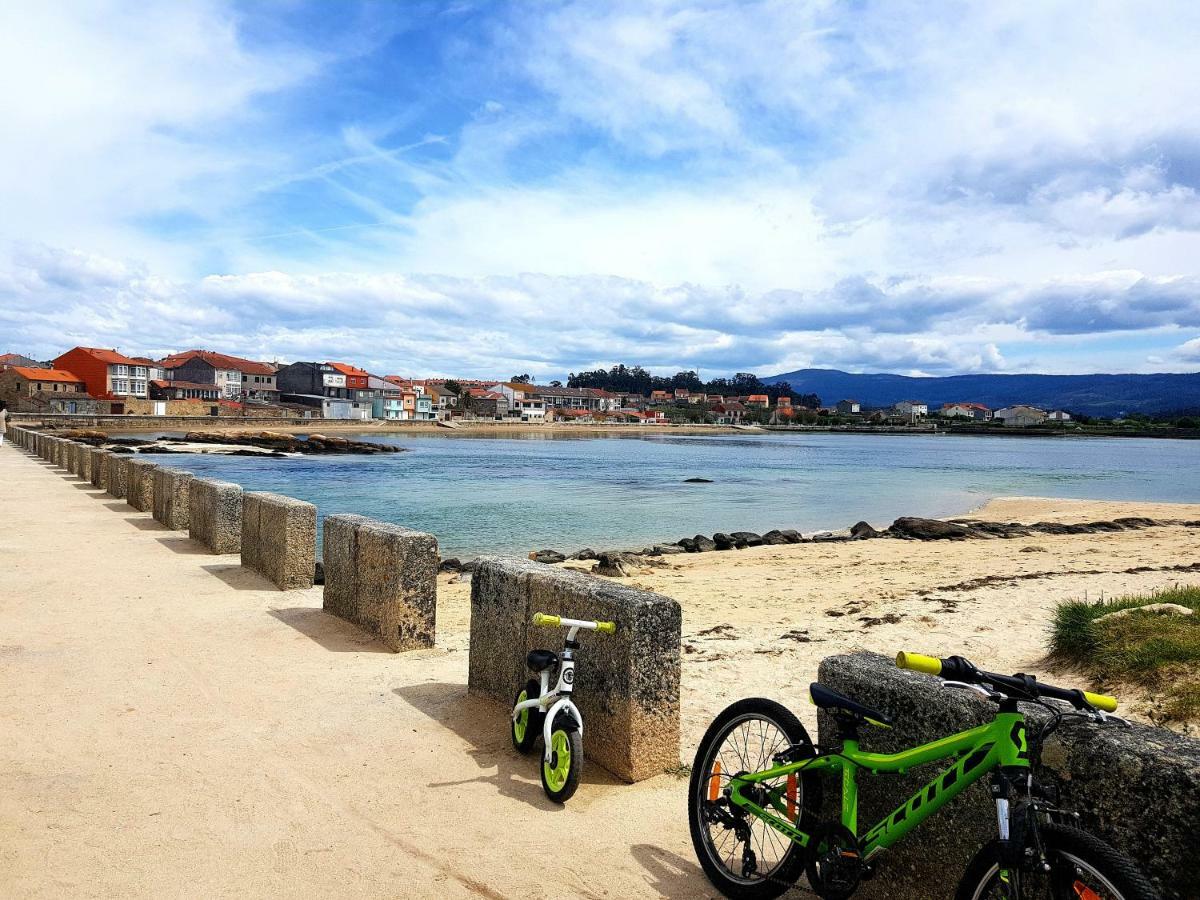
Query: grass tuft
x=1160, y=652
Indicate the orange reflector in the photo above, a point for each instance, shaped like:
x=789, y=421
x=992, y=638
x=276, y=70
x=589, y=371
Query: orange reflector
x=791, y=797
x=1083, y=892
x=714, y=783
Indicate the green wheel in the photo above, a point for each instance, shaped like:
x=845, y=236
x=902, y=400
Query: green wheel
x=560, y=776
x=528, y=725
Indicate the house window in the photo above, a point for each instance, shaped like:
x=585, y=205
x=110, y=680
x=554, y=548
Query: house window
x=122, y=370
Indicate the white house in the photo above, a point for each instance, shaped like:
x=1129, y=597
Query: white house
x=524, y=400
x=976, y=411
x=910, y=409
x=1058, y=416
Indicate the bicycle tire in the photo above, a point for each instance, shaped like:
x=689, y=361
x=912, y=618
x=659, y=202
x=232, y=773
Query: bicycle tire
x=791, y=866
x=1063, y=845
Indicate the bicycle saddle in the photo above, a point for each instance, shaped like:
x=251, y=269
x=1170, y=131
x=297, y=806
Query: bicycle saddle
x=826, y=698
x=541, y=659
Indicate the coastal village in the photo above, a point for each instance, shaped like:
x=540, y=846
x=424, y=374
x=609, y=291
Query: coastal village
x=103, y=382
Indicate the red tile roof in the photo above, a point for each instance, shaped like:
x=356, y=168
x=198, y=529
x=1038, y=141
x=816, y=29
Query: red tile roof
x=112, y=357
x=347, y=369
x=219, y=361
x=46, y=374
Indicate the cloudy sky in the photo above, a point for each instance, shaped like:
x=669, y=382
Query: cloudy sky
x=474, y=188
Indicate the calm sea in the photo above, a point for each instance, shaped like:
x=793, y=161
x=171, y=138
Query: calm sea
x=488, y=495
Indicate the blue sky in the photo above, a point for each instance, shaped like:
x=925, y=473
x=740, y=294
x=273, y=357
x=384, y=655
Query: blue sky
x=475, y=189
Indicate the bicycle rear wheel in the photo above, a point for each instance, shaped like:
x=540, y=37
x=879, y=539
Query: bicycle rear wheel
x=1082, y=867
x=742, y=856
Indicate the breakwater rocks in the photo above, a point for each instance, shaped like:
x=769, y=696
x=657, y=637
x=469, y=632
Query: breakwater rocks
x=289, y=443
x=622, y=563
x=233, y=443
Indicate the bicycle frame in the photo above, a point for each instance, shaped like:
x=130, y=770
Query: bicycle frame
x=552, y=702
x=999, y=744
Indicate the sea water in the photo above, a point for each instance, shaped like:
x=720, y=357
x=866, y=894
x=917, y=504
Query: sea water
x=481, y=494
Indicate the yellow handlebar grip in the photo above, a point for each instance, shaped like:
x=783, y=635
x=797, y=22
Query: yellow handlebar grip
x=543, y=619
x=930, y=665
x=1101, y=701
x=606, y=627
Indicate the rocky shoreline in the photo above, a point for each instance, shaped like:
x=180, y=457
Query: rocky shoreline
x=622, y=563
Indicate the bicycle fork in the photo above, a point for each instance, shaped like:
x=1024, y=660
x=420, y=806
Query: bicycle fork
x=1010, y=789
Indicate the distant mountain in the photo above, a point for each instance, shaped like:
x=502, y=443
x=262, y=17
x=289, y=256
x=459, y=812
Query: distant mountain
x=1093, y=395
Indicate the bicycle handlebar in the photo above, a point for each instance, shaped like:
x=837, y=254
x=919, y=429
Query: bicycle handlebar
x=956, y=668
x=554, y=621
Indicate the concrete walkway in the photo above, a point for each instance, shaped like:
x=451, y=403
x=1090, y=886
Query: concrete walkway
x=175, y=727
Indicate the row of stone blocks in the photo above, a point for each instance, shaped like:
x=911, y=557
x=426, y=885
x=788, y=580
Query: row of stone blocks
x=383, y=578
x=626, y=684
x=1138, y=788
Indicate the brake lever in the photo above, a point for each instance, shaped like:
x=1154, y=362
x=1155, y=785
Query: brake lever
x=994, y=696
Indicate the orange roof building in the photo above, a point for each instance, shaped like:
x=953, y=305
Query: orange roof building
x=106, y=373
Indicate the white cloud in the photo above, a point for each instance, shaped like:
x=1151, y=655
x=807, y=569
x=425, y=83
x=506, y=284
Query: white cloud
x=724, y=185
x=549, y=325
x=109, y=111
x=1189, y=351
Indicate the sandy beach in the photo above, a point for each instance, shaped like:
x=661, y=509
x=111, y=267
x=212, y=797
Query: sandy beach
x=176, y=727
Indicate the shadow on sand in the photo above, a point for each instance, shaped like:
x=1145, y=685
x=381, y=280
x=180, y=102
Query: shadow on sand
x=484, y=725
x=179, y=542
x=671, y=875
x=332, y=633
x=89, y=488
x=238, y=577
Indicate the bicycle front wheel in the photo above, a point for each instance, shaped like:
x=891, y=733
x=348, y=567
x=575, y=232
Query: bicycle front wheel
x=742, y=856
x=1081, y=866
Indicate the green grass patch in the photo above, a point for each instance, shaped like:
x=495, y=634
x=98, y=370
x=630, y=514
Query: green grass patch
x=1158, y=651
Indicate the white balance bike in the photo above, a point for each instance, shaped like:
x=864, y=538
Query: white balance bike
x=537, y=708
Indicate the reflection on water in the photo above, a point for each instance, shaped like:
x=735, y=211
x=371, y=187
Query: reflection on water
x=480, y=494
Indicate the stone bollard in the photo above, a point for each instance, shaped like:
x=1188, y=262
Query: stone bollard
x=172, y=497
x=383, y=578
x=100, y=467
x=627, y=684
x=83, y=462
x=1135, y=788
x=139, y=492
x=215, y=514
x=118, y=477
x=68, y=462
x=279, y=539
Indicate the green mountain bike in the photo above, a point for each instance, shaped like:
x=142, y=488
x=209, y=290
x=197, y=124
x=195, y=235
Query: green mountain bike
x=754, y=801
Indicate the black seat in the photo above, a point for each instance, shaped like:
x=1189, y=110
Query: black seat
x=830, y=699
x=541, y=659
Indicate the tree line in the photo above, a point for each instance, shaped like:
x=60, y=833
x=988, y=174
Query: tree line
x=622, y=379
